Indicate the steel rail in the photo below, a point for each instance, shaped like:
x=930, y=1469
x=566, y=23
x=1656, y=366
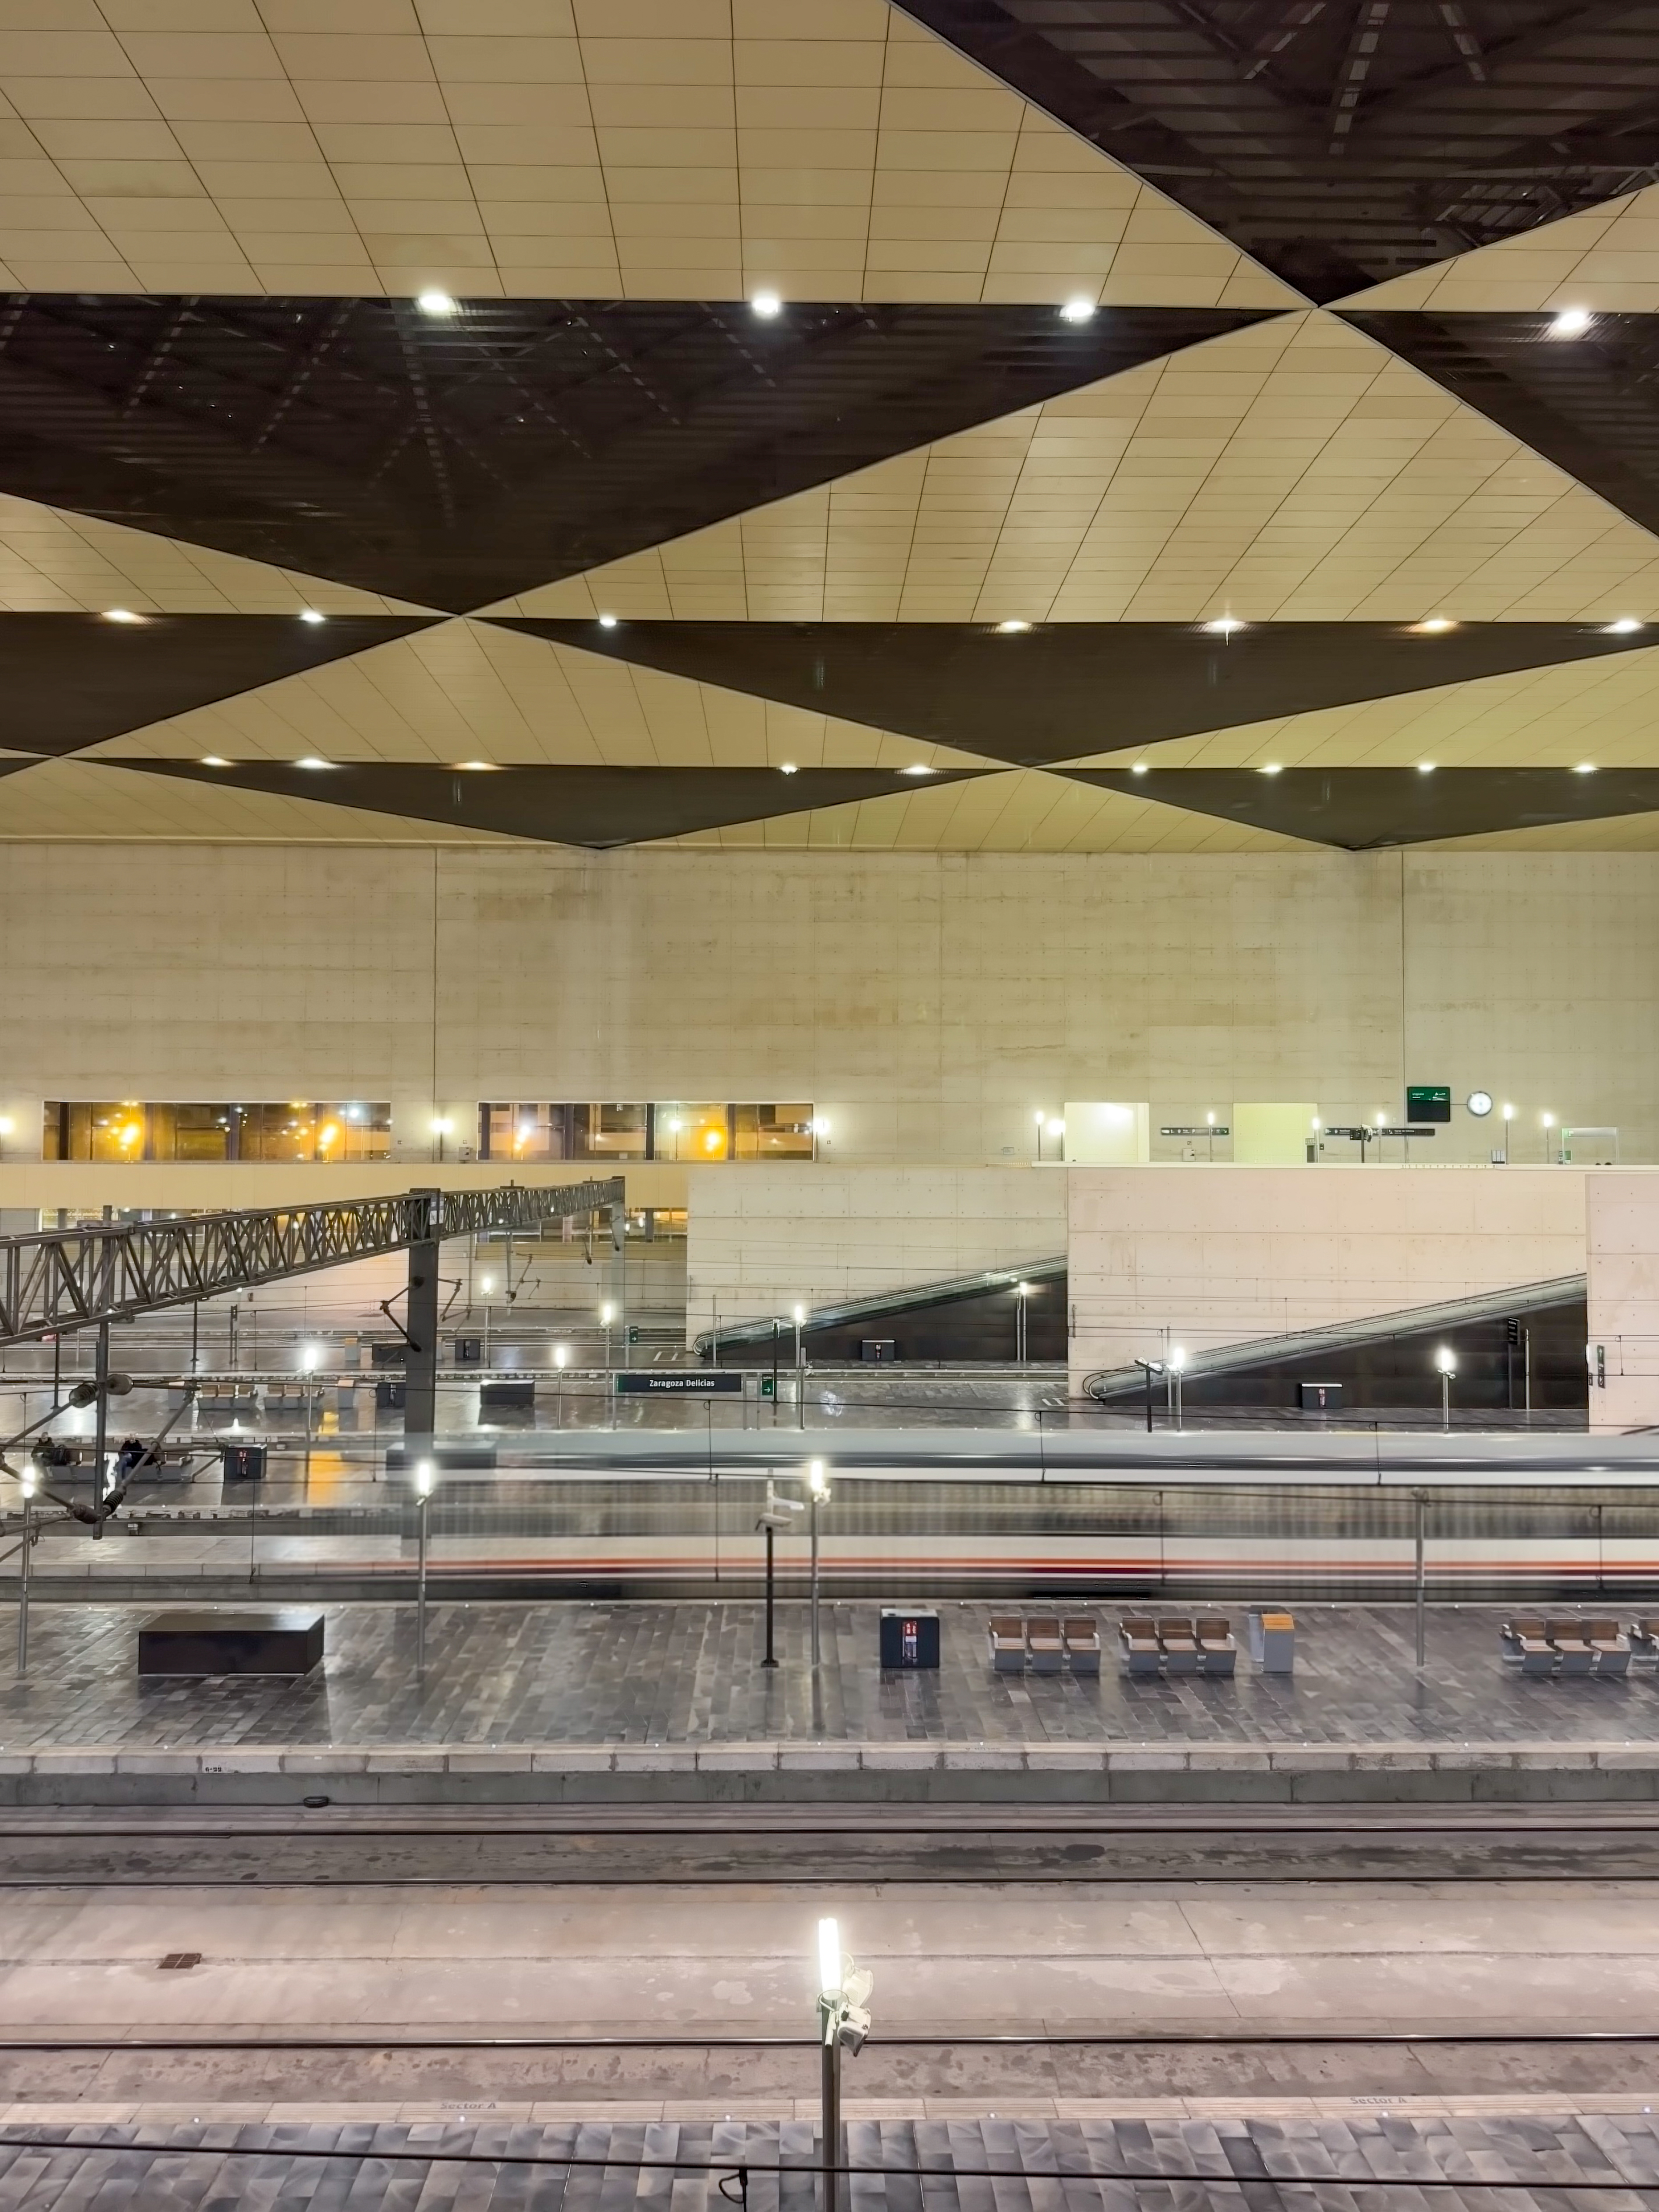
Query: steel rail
x=1317, y=2033
x=73, y=1279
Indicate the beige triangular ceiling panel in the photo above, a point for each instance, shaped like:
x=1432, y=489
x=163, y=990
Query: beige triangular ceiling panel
x=70, y=799
x=1604, y=257
x=1604, y=712
x=465, y=691
x=1293, y=470
x=827, y=151
x=53, y=561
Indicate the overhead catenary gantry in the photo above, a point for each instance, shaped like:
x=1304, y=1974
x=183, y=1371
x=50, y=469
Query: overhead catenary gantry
x=71, y=1278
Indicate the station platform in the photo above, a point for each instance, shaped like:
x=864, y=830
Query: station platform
x=645, y=1701
x=1019, y=2164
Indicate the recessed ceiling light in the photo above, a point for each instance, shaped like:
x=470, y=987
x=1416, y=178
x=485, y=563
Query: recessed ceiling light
x=1270, y=767
x=1433, y=624
x=212, y=760
x=1570, y=323
x=311, y=761
x=1012, y=628
x=1224, y=625
x=311, y=614
x=1625, y=626
x=478, y=767
x=1077, y=311
x=1585, y=768
x=121, y=614
x=436, y=303
x=607, y=622
x=917, y=768
x=767, y=304
x=1425, y=767
x=785, y=768
x=1139, y=769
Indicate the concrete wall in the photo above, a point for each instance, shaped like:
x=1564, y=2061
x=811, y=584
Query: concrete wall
x=927, y=1005
x=1201, y=1257
x=758, y=1245
x=1622, y=1239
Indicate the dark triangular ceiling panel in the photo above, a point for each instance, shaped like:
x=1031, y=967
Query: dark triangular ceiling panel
x=70, y=680
x=1063, y=690
x=456, y=460
x=1361, y=808
x=593, y=806
x=1584, y=401
x=1342, y=142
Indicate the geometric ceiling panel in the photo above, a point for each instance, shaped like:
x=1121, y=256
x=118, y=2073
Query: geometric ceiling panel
x=597, y=807
x=72, y=680
x=1341, y=144
x=1295, y=471
x=1603, y=259
x=1560, y=717
x=457, y=458
x=1360, y=809
x=52, y=561
x=76, y=799
x=470, y=690
x=1022, y=810
x=834, y=152
x=1067, y=690
x=1584, y=402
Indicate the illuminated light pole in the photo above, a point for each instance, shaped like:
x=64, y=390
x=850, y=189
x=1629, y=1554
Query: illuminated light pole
x=1445, y=1361
x=607, y=1315
x=560, y=1354
x=1177, y=1363
x=425, y=1475
x=818, y=1494
x=843, y=2024
x=1547, y=1122
x=1022, y=1293
x=26, y=1483
x=1509, y=1116
x=800, y=1370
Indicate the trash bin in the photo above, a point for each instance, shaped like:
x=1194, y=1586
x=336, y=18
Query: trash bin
x=242, y=1463
x=1272, y=1637
x=909, y=1639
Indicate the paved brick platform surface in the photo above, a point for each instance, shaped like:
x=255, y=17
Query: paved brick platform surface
x=972, y=2165
x=657, y=1675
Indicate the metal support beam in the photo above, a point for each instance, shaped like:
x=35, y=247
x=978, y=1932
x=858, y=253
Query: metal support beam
x=421, y=1326
x=76, y=1277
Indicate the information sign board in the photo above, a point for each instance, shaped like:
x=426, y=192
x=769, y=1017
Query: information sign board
x=679, y=1383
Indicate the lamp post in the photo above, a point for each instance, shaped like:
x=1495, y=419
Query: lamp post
x=1149, y=1369
x=441, y=1127
x=1509, y=1116
x=843, y=2024
x=607, y=1315
x=775, y=1515
x=800, y=1370
x=1177, y=1363
x=26, y=1483
x=818, y=1494
x=1022, y=1293
x=560, y=1354
x=1547, y=1122
x=425, y=1474
x=1445, y=1361
x=1039, y=1118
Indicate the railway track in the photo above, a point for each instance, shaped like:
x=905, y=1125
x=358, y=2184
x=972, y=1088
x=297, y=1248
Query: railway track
x=387, y=1847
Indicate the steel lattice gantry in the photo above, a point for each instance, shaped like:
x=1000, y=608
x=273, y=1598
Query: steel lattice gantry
x=74, y=1278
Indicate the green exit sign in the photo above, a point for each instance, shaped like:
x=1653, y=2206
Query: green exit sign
x=1428, y=1102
